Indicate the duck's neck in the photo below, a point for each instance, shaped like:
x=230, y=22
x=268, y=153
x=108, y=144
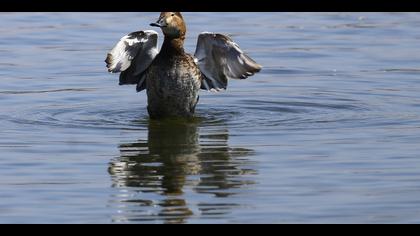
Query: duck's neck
x=173, y=45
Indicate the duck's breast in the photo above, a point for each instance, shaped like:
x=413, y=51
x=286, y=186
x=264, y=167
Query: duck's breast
x=173, y=84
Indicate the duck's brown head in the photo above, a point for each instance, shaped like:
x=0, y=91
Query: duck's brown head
x=172, y=24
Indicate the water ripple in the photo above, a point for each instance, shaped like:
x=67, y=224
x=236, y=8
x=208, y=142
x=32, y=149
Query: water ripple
x=327, y=132
x=49, y=91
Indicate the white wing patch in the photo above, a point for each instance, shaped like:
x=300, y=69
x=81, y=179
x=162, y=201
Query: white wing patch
x=120, y=57
x=132, y=55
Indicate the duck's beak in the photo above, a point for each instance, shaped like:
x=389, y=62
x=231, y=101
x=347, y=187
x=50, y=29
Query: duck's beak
x=159, y=23
x=156, y=24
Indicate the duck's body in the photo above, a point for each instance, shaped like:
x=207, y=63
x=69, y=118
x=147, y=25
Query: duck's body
x=173, y=78
x=173, y=81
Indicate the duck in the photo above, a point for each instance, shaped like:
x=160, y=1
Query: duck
x=171, y=77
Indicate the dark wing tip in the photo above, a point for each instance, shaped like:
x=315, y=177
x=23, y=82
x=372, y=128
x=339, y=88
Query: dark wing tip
x=257, y=68
x=108, y=58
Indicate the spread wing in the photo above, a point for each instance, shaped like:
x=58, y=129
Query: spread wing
x=132, y=55
x=220, y=59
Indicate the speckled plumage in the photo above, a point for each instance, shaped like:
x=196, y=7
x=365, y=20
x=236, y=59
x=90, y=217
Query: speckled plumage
x=172, y=82
x=171, y=77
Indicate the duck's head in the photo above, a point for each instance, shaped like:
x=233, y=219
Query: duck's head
x=172, y=24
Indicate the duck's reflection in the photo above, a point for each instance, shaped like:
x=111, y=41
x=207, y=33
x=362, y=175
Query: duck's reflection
x=158, y=177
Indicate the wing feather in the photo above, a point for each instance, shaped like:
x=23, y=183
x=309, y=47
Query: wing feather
x=132, y=55
x=220, y=59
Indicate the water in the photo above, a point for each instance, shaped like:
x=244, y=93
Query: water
x=327, y=132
